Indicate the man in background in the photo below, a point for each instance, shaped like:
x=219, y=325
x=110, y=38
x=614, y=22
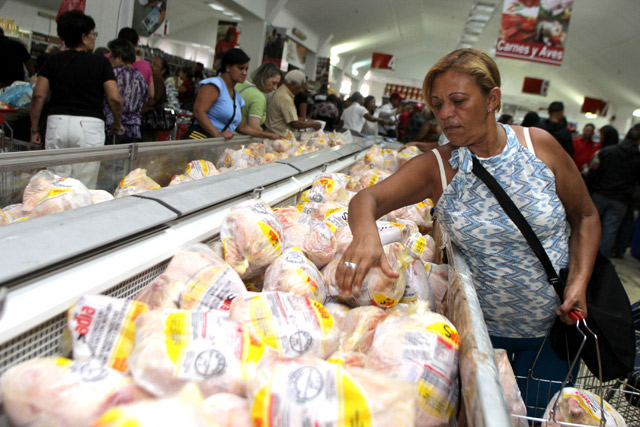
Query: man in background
x=556, y=125
x=388, y=112
x=584, y=147
x=282, y=114
x=14, y=55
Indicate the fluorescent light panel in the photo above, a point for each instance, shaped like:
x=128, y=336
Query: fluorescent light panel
x=216, y=6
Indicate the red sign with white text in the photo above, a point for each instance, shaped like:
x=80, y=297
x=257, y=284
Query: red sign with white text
x=383, y=61
x=68, y=5
x=534, y=30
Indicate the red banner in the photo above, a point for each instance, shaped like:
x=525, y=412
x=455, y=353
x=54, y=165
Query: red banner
x=535, y=86
x=383, y=61
x=68, y=5
x=534, y=30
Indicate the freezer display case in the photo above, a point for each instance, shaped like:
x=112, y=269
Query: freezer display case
x=117, y=247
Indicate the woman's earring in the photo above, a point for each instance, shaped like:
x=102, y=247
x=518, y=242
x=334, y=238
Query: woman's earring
x=490, y=111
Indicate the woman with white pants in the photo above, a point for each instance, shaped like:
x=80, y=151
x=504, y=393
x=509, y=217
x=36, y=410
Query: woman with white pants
x=76, y=80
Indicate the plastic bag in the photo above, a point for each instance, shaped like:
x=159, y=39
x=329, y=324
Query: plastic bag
x=330, y=187
x=313, y=237
x=311, y=392
x=18, y=95
x=64, y=195
x=348, y=358
x=287, y=215
x=135, y=182
x=102, y=329
x=293, y=272
x=57, y=391
x=510, y=389
x=290, y=324
x=173, y=347
x=338, y=310
x=358, y=327
x=421, y=247
x=37, y=189
x=420, y=213
x=421, y=348
x=252, y=237
x=579, y=406
x=229, y=410
x=99, y=196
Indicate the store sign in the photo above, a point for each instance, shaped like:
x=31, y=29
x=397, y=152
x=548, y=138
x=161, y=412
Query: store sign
x=148, y=16
x=68, y=5
x=383, y=61
x=595, y=106
x=535, y=86
x=534, y=30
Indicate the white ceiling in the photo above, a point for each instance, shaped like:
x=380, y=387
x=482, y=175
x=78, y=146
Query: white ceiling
x=602, y=50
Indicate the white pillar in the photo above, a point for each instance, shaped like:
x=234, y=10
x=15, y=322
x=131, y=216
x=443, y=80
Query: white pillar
x=251, y=40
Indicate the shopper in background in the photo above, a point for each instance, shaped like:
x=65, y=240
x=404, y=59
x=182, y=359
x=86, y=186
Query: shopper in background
x=228, y=42
x=584, y=147
x=301, y=101
x=389, y=113
x=133, y=89
x=608, y=136
x=186, y=89
x=556, y=125
x=370, y=128
x=322, y=94
x=355, y=116
x=518, y=302
x=404, y=117
x=417, y=119
x=156, y=104
x=14, y=56
x=139, y=64
x=76, y=81
x=531, y=119
x=218, y=107
x=198, y=73
x=265, y=80
x=506, y=119
x=281, y=110
x=614, y=172
x=327, y=111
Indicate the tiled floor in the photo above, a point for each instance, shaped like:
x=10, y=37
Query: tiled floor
x=628, y=269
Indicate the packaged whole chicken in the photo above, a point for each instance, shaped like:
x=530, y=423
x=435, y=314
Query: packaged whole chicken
x=60, y=392
x=135, y=182
x=320, y=210
x=421, y=247
x=173, y=347
x=257, y=149
x=358, y=169
x=102, y=329
x=580, y=407
x=389, y=232
x=252, y=237
x=293, y=272
x=228, y=410
x=417, y=285
x=99, y=196
x=291, y=324
x=186, y=409
x=64, y=195
x=355, y=359
x=313, y=237
x=330, y=187
x=421, y=348
x=312, y=392
x=366, y=179
x=510, y=389
x=196, y=169
x=438, y=277
x=358, y=327
x=12, y=213
x=37, y=189
x=195, y=278
x=420, y=213
x=377, y=288
x=287, y=215
x=337, y=310
x=407, y=154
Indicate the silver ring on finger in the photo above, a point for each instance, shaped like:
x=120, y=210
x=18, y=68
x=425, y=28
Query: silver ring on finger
x=350, y=265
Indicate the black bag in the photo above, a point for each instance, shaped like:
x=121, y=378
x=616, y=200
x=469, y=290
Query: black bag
x=159, y=119
x=609, y=309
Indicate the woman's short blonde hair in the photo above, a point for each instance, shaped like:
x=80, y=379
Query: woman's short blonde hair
x=473, y=62
x=264, y=73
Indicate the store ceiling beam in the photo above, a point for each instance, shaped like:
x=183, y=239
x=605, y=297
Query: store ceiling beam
x=274, y=7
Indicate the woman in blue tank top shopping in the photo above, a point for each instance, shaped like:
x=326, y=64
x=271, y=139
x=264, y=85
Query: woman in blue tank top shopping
x=518, y=303
x=218, y=106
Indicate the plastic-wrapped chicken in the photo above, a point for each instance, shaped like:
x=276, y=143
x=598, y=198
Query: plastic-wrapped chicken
x=173, y=347
x=417, y=285
x=252, y=237
x=11, y=213
x=336, y=138
x=366, y=179
x=338, y=310
x=358, y=327
x=281, y=145
x=349, y=358
x=377, y=288
x=407, y=154
x=312, y=392
x=420, y=213
x=438, y=277
x=319, y=210
x=196, y=278
x=257, y=149
x=199, y=169
x=135, y=182
x=268, y=158
x=242, y=159
x=421, y=247
x=293, y=272
x=358, y=169
x=186, y=409
x=510, y=389
x=180, y=179
x=581, y=407
x=99, y=196
x=64, y=195
x=421, y=348
x=313, y=237
x=224, y=161
x=331, y=187
x=287, y=215
x=229, y=410
x=291, y=324
x=37, y=189
x=60, y=392
x=102, y=329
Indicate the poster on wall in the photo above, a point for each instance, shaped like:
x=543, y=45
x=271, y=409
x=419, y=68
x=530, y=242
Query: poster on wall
x=534, y=30
x=274, y=45
x=148, y=15
x=383, y=61
x=296, y=54
x=322, y=71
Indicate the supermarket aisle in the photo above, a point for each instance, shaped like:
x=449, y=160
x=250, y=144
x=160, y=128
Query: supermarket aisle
x=628, y=269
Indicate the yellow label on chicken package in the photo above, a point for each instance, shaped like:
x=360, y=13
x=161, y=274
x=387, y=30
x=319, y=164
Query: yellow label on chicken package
x=352, y=403
x=373, y=180
x=271, y=234
x=327, y=183
x=177, y=334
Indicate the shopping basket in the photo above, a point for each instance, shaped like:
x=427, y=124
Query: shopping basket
x=620, y=395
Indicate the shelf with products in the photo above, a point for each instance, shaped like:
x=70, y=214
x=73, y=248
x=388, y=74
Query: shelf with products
x=175, y=63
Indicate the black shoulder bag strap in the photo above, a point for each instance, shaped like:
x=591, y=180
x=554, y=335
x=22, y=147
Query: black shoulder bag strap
x=519, y=220
x=233, y=116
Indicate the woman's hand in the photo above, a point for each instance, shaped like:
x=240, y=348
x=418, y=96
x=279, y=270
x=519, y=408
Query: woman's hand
x=575, y=298
x=363, y=252
x=35, y=138
x=227, y=134
x=274, y=136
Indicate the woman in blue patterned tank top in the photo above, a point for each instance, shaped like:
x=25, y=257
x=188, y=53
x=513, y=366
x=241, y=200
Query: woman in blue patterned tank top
x=519, y=305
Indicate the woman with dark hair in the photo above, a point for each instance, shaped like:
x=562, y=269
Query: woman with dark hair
x=370, y=128
x=265, y=80
x=218, y=107
x=608, y=136
x=531, y=119
x=186, y=90
x=133, y=89
x=131, y=35
x=160, y=68
x=506, y=119
x=77, y=82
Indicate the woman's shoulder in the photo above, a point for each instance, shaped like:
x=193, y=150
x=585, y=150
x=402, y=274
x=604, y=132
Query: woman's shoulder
x=217, y=81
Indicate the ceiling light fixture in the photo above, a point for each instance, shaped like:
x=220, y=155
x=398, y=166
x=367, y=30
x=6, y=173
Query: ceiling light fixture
x=215, y=6
x=469, y=38
x=636, y=112
x=473, y=30
x=591, y=116
x=483, y=7
x=227, y=13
